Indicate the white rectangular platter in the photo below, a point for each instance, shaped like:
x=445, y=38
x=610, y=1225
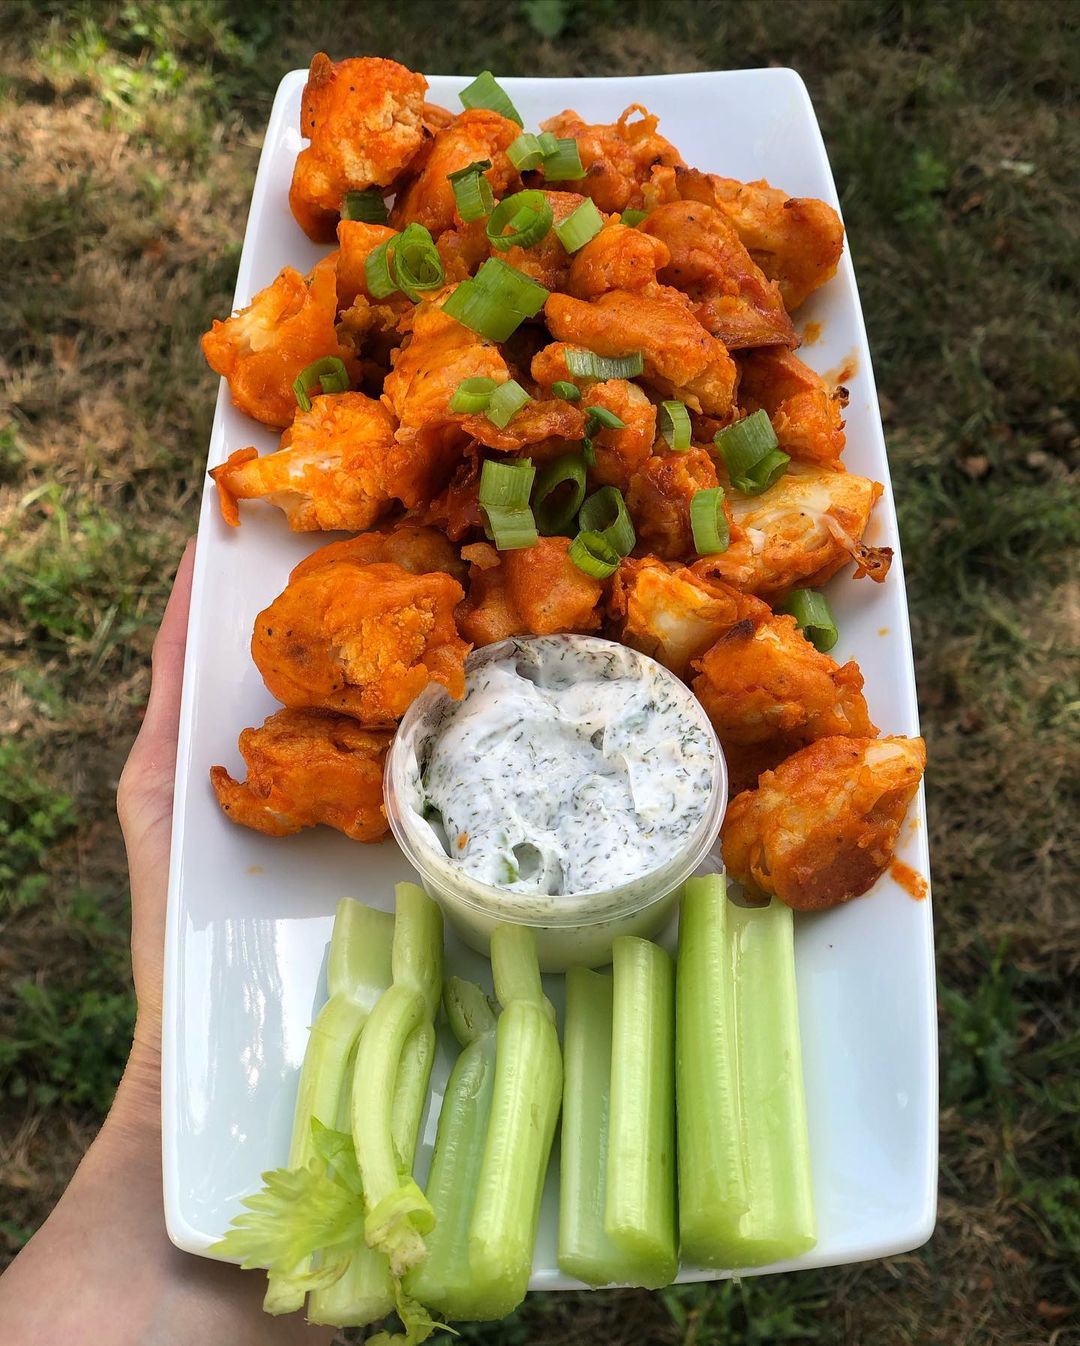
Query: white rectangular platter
x=249, y=916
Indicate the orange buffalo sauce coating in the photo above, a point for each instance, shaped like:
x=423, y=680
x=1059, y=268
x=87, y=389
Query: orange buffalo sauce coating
x=909, y=879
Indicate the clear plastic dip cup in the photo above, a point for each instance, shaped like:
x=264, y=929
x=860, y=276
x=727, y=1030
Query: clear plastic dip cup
x=571, y=928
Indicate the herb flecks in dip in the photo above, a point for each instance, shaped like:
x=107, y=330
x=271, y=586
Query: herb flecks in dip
x=565, y=771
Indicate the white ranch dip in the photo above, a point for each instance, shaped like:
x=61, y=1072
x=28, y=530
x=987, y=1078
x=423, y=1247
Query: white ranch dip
x=565, y=771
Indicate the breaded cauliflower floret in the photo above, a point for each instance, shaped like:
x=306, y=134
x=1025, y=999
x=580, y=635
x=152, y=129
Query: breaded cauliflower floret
x=419, y=550
x=364, y=119
x=364, y=640
x=535, y=591
x=681, y=359
x=805, y=412
x=330, y=472
x=627, y=162
x=797, y=241
x=262, y=349
x=617, y=258
x=659, y=499
x=306, y=767
x=733, y=299
x=823, y=826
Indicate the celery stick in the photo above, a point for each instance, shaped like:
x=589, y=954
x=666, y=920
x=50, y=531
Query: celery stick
x=443, y=1281
x=639, y=1201
x=398, y=1215
x=712, y=1177
x=358, y=971
x=585, y=1251
x=780, y=1220
x=365, y=1293
x=527, y=1093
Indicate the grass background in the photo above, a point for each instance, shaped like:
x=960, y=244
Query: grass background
x=129, y=134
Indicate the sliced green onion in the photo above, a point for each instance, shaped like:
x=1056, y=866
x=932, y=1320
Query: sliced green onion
x=378, y=276
x=594, y=554
x=553, y=506
x=477, y=166
x=568, y=392
x=511, y=529
x=415, y=262
x=563, y=163
x=814, y=617
x=750, y=455
x=472, y=395
x=588, y=452
x=548, y=143
x=528, y=215
x=632, y=218
x=525, y=152
x=602, y=419
x=675, y=426
x=589, y=365
x=504, y=403
x=605, y=513
x=496, y=301
x=367, y=206
x=506, y=485
x=579, y=226
x=329, y=374
x=473, y=196
x=486, y=93
x=708, y=521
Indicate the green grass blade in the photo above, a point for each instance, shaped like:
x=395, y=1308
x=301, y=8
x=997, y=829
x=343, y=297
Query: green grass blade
x=639, y=1203
x=712, y=1175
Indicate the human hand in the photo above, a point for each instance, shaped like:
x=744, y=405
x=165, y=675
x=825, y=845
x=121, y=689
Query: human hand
x=144, y=802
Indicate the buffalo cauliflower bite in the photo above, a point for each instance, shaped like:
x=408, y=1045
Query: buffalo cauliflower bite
x=357, y=240
x=546, y=262
x=681, y=359
x=626, y=162
x=534, y=591
x=672, y=614
x=797, y=241
x=473, y=136
x=364, y=640
x=617, y=258
x=659, y=497
x=419, y=550
x=262, y=349
x=768, y=691
x=330, y=472
x=798, y=533
x=805, y=414
x=822, y=827
x=732, y=297
x=364, y=120
x=306, y=767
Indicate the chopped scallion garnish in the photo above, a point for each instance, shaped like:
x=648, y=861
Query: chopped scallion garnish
x=568, y=392
x=708, y=522
x=605, y=514
x=484, y=92
x=378, y=276
x=675, y=426
x=367, y=206
x=525, y=152
x=632, y=218
x=520, y=221
x=507, y=485
x=579, y=226
x=329, y=374
x=496, y=301
x=563, y=164
x=589, y=365
x=594, y=554
x=750, y=453
x=602, y=419
x=472, y=395
x=511, y=529
x=559, y=491
x=505, y=402
x=473, y=196
x=814, y=617
x=415, y=262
